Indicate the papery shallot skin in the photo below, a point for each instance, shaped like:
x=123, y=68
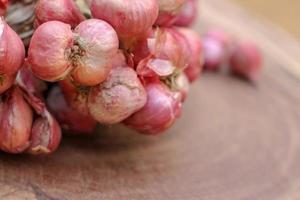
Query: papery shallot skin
x=58, y=10
x=49, y=51
x=130, y=18
x=12, y=50
x=99, y=43
x=195, y=63
x=246, y=61
x=121, y=95
x=15, y=121
x=69, y=118
x=45, y=135
x=165, y=54
x=187, y=14
x=163, y=107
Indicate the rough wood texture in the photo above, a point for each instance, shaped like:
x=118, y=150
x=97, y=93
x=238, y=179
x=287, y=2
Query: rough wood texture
x=235, y=141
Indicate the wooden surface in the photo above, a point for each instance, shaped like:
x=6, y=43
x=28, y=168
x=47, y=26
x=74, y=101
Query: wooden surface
x=234, y=141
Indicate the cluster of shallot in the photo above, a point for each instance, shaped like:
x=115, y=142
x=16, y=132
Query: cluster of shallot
x=242, y=58
x=95, y=61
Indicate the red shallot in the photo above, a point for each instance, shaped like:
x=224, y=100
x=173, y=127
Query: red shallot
x=121, y=95
x=58, y=10
x=15, y=121
x=246, y=61
x=131, y=18
x=160, y=112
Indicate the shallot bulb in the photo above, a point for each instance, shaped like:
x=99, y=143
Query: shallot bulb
x=215, y=49
x=6, y=81
x=50, y=60
x=159, y=113
x=121, y=95
x=15, y=121
x=130, y=18
x=98, y=42
x=246, y=61
x=187, y=14
x=69, y=118
x=12, y=48
x=85, y=53
x=58, y=10
x=195, y=62
x=45, y=135
x=168, y=9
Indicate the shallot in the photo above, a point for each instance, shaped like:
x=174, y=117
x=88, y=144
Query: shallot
x=187, y=14
x=215, y=49
x=12, y=48
x=163, y=107
x=58, y=10
x=121, y=95
x=246, y=61
x=131, y=18
x=85, y=53
x=15, y=121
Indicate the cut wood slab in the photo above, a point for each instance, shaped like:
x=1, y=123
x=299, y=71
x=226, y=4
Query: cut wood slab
x=235, y=141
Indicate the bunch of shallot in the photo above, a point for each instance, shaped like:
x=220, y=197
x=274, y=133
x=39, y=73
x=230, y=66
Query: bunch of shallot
x=97, y=61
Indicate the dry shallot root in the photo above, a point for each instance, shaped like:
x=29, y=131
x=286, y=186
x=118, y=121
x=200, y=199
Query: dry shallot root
x=100, y=61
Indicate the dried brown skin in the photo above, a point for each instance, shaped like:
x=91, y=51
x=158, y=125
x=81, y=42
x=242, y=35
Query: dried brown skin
x=15, y=121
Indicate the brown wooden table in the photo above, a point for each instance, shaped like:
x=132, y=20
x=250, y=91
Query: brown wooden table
x=235, y=141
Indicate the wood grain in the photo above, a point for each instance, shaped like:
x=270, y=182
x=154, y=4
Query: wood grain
x=235, y=141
